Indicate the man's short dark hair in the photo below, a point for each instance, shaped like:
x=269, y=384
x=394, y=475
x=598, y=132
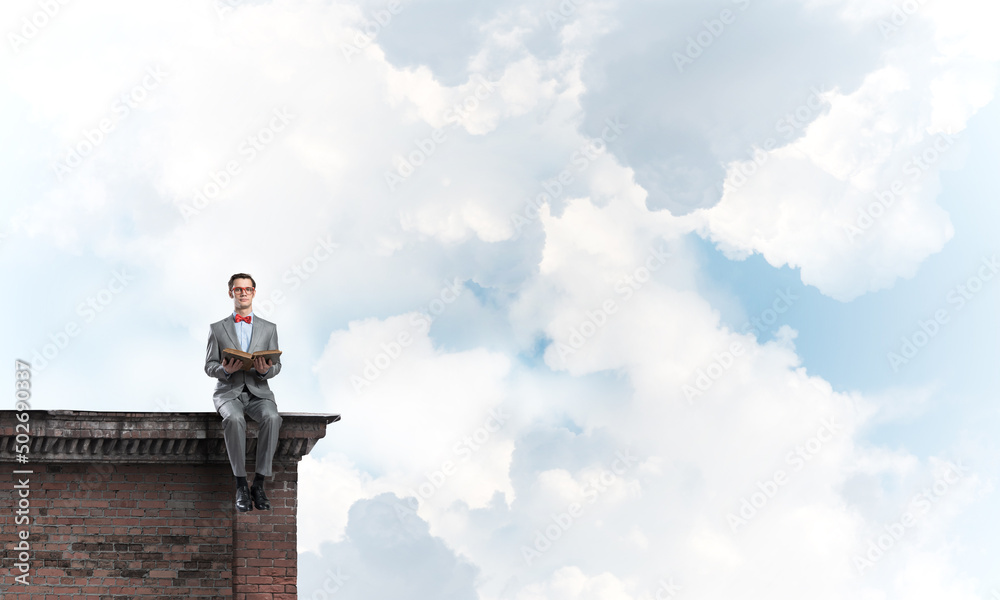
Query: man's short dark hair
x=241, y=276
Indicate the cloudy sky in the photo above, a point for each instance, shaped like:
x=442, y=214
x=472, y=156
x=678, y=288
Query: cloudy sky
x=618, y=300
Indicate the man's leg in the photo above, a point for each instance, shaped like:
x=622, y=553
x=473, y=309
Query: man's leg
x=234, y=429
x=265, y=414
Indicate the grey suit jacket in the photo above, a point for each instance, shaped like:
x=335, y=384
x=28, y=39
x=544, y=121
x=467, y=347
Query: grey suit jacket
x=221, y=335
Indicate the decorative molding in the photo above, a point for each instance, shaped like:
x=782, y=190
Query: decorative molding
x=58, y=436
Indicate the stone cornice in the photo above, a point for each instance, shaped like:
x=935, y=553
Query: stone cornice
x=147, y=437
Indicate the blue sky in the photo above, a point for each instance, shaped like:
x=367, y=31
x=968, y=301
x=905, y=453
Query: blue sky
x=847, y=343
x=569, y=210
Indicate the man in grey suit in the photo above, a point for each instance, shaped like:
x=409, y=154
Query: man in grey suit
x=239, y=393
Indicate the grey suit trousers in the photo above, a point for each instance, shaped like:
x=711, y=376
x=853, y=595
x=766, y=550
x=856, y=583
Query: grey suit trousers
x=262, y=411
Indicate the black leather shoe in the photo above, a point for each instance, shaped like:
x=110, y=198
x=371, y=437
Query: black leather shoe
x=260, y=500
x=243, y=498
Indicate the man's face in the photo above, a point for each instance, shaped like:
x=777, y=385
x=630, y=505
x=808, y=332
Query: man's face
x=242, y=293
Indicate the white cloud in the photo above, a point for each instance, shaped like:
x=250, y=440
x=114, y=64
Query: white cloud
x=386, y=554
x=570, y=583
x=431, y=422
x=327, y=489
x=852, y=202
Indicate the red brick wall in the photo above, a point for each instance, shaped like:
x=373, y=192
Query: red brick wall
x=264, y=549
x=101, y=531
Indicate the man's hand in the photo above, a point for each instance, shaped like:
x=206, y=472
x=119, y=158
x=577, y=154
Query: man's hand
x=261, y=364
x=231, y=365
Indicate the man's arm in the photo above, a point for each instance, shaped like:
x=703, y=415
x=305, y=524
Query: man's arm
x=275, y=368
x=214, y=368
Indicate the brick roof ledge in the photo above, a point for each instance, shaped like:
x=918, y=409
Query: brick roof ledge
x=140, y=437
x=124, y=505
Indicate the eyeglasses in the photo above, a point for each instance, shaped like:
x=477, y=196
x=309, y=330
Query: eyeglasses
x=239, y=290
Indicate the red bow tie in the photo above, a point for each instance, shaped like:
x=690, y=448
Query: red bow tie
x=242, y=318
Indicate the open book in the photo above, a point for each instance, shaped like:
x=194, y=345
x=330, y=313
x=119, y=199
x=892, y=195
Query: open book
x=247, y=358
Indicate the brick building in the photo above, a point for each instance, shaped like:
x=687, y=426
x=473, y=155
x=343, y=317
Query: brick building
x=129, y=504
